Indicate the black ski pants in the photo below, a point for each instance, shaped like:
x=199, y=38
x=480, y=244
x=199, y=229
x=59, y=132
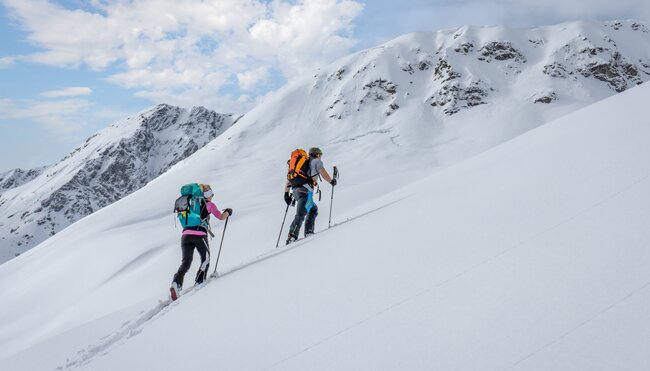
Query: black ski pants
x=188, y=244
x=301, y=196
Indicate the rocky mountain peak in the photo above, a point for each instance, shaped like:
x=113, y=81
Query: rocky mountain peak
x=456, y=70
x=17, y=177
x=110, y=165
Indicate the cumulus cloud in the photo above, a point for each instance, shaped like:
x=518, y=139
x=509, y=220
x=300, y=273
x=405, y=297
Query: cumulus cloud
x=189, y=47
x=7, y=61
x=67, y=92
x=249, y=79
x=562, y=10
x=59, y=117
x=387, y=19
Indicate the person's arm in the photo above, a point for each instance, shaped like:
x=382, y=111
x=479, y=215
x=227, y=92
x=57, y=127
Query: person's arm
x=212, y=209
x=325, y=175
x=287, y=193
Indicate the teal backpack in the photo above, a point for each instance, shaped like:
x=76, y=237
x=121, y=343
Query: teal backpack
x=188, y=206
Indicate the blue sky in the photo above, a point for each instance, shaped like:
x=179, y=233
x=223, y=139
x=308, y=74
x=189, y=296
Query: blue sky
x=69, y=67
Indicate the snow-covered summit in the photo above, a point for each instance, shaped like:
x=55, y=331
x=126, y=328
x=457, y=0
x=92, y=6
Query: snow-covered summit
x=484, y=77
x=110, y=165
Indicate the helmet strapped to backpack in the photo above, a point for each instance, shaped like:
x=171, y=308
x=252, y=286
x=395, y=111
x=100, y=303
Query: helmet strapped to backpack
x=188, y=206
x=298, y=173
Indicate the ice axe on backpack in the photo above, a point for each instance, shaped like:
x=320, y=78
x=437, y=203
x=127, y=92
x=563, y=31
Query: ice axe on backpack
x=335, y=175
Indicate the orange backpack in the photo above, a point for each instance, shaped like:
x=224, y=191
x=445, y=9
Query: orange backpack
x=298, y=173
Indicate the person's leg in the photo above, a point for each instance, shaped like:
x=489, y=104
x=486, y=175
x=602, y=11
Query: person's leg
x=301, y=211
x=187, y=249
x=204, y=251
x=311, y=219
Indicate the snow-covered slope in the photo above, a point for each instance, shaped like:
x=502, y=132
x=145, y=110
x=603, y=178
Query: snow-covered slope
x=531, y=256
x=492, y=257
x=108, y=166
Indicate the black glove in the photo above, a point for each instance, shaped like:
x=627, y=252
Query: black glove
x=333, y=182
x=287, y=198
x=229, y=211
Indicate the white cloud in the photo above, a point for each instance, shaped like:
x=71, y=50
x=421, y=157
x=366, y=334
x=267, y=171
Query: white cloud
x=67, y=92
x=6, y=62
x=249, y=79
x=571, y=10
x=523, y=13
x=306, y=35
x=60, y=117
x=189, y=47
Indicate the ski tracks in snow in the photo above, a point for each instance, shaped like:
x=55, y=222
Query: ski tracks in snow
x=622, y=190
x=135, y=326
x=580, y=325
x=128, y=329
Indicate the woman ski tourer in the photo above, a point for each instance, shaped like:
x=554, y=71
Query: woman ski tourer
x=194, y=208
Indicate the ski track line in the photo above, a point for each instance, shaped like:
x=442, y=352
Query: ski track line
x=475, y=266
x=609, y=307
x=134, y=327
x=580, y=325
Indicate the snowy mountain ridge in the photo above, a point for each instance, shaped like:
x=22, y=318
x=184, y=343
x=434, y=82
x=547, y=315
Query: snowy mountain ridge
x=110, y=165
x=17, y=177
x=472, y=84
x=457, y=92
x=458, y=69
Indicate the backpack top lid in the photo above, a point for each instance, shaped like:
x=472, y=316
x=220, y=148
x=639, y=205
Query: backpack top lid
x=297, y=164
x=192, y=189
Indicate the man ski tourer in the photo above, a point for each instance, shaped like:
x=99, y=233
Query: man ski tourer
x=194, y=208
x=303, y=183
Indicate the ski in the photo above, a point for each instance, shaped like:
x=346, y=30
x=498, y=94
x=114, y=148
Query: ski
x=300, y=239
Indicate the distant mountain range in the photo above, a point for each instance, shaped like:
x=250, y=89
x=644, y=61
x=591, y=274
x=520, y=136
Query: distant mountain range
x=442, y=96
x=17, y=177
x=37, y=203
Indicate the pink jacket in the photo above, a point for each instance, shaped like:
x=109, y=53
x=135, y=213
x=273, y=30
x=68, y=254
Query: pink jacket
x=212, y=209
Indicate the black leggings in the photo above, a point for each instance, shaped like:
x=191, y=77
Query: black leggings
x=188, y=244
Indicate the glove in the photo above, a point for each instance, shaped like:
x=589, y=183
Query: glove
x=229, y=211
x=333, y=182
x=287, y=198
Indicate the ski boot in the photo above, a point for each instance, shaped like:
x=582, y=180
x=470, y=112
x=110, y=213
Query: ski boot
x=174, y=291
x=291, y=238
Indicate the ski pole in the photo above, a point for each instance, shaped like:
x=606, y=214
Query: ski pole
x=221, y=244
x=282, y=227
x=336, y=175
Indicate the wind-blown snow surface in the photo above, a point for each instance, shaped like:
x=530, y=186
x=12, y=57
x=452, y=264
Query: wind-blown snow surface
x=530, y=256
